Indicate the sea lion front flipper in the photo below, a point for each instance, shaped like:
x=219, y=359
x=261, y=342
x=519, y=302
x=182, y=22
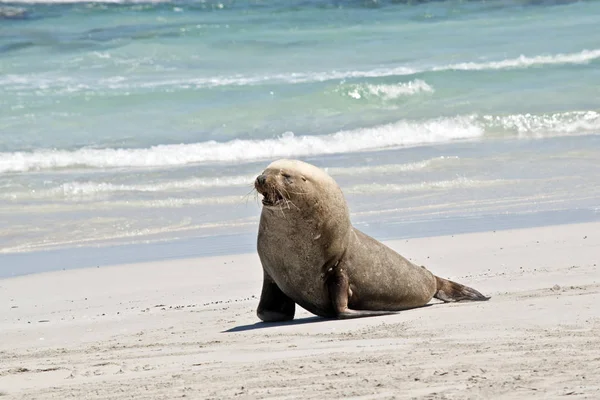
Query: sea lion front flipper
x=339, y=291
x=274, y=305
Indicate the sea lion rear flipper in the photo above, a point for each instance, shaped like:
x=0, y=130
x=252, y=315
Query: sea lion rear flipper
x=274, y=305
x=449, y=291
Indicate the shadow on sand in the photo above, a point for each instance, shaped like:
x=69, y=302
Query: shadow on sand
x=265, y=325
x=310, y=320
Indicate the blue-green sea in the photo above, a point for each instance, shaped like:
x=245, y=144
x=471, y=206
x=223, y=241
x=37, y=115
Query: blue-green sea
x=133, y=130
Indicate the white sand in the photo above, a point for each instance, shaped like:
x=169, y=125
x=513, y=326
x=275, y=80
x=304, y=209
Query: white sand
x=158, y=330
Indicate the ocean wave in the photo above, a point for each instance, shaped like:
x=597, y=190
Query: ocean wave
x=85, y=188
x=398, y=134
x=388, y=168
x=103, y=235
x=582, y=57
x=530, y=125
x=65, y=85
x=12, y=12
x=523, y=61
x=389, y=92
x=90, y=188
x=180, y=202
x=460, y=182
x=402, y=133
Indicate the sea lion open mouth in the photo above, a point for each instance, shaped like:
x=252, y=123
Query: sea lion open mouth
x=271, y=198
x=271, y=195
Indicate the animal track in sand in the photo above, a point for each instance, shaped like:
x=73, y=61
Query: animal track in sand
x=22, y=370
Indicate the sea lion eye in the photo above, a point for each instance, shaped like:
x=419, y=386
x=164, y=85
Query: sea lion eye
x=286, y=176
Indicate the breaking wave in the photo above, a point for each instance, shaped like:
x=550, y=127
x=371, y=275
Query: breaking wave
x=71, y=84
x=389, y=92
x=388, y=168
x=461, y=182
x=523, y=61
x=401, y=133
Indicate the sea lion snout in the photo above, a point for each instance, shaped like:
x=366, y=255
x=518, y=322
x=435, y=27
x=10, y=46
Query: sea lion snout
x=267, y=186
x=261, y=183
x=261, y=179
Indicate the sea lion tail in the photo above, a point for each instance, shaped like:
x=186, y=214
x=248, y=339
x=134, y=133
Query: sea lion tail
x=449, y=291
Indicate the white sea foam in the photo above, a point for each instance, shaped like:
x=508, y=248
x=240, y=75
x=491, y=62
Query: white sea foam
x=390, y=92
x=91, y=189
x=460, y=182
x=402, y=133
x=70, y=189
x=529, y=125
x=523, y=61
x=63, y=84
x=105, y=233
x=58, y=84
x=388, y=168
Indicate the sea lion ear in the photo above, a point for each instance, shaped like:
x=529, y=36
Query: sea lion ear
x=303, y=178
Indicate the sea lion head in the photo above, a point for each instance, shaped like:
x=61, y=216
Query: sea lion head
x=297, y=186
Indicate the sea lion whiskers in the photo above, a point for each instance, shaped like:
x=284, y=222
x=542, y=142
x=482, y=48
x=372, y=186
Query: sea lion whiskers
x=246, y=197
x=287, y=198
x=288, y=202
x=280, y=203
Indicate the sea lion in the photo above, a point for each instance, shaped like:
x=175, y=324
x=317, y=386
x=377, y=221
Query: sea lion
x=312, y=255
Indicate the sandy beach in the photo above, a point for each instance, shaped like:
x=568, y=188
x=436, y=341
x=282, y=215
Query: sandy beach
x=463, y=134
x=187, y=329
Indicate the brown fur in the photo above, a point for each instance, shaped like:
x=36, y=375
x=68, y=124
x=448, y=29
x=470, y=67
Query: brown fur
x=313, y=256
x=449, y=291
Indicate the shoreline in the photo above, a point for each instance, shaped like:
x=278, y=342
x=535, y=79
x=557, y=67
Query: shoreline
x=188, y=327
x=35, y=262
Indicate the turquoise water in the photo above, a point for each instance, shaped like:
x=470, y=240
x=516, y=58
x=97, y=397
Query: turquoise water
x=129, y=123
